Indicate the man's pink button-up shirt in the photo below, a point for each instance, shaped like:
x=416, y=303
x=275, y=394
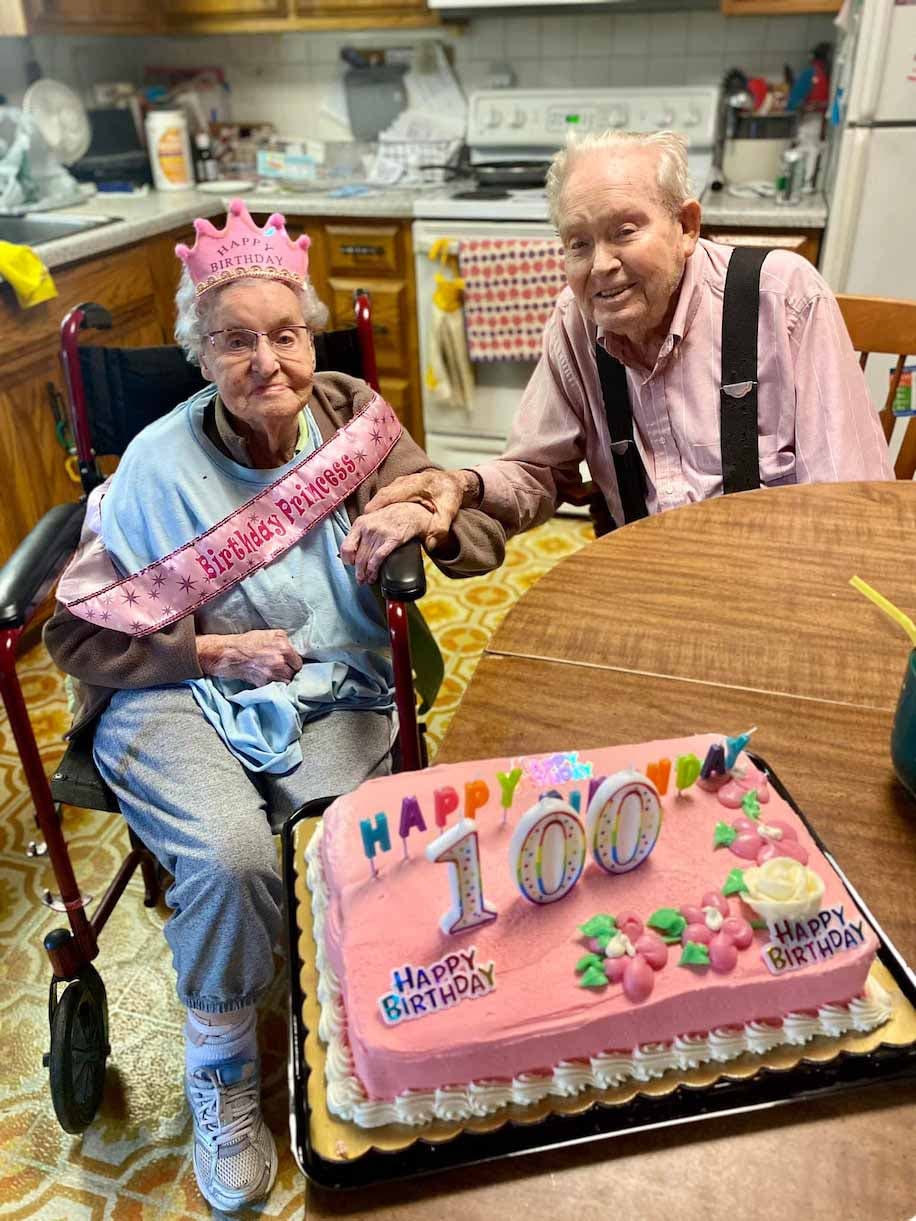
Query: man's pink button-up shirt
x=815, y=420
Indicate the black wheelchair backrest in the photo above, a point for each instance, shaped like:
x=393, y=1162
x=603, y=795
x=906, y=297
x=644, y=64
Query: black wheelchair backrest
x=128, y=388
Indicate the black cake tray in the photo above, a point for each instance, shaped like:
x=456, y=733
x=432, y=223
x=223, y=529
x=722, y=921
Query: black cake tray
x=766, y=1088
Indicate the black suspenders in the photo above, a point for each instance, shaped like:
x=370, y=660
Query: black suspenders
x=738, y=395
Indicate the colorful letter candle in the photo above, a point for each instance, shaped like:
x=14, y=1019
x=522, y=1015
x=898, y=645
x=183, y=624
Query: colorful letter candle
x=476, y=796
x=458, y=847
x=446, y=802
x=411, y=816
x=547, y=851
x=734, y=747
x=375, y=835
x=623, y=821
x=660, y=773
x=507, y=785
x=686, y=772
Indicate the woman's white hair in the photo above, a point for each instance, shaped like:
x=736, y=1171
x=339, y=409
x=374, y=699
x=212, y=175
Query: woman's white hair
x=193, y=311
x=673, y=180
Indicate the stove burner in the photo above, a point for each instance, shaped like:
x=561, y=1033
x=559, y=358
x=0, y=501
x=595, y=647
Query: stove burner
x=482, y=193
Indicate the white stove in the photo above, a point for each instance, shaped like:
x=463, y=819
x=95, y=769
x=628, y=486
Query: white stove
x=507, y=127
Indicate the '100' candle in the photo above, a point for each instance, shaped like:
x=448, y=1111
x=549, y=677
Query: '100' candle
x=549, y=846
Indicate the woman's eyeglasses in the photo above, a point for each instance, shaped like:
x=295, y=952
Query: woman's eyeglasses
x=239, y=341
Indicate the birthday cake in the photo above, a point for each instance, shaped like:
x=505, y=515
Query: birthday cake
x=495, y=932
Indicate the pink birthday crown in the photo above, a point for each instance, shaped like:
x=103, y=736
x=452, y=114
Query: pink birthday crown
x=242, y=249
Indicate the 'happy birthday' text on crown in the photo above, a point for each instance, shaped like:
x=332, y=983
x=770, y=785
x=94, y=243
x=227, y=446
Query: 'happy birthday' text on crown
x=242, y=249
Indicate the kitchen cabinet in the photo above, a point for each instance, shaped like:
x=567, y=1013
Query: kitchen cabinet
x=806, y=242
x=101, y=16
x=208, y=16
x=739, y=8
x=376, y=257
x=33, y=470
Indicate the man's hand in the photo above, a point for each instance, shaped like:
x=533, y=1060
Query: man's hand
x=257, y=658
x=374, y=536
x=440, y=492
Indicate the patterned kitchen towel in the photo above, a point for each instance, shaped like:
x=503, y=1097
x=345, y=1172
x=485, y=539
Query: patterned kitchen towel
x=510, y=287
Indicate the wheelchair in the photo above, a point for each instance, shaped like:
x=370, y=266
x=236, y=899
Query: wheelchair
x=112, y=394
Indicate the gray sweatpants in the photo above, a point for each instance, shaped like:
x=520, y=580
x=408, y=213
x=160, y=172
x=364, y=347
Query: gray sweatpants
x=208, y=821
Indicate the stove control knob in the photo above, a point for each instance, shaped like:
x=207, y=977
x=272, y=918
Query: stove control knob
x=618, y=116
x=665, y=117
x=519, y=119
x=494, y=118
x=693, y=116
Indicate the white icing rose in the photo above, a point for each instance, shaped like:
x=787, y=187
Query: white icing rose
x=783, y=888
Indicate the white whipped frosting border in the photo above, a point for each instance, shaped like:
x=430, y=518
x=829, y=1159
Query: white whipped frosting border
x=347, y=1098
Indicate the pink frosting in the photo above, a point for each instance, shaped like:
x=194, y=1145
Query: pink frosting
x=538, y=1015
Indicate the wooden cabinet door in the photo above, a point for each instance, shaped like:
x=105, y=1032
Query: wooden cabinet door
x=104, y=15
x=353, y=9
x=180, y=12
x=390, y=317
x=738, y=8
x=806, y=242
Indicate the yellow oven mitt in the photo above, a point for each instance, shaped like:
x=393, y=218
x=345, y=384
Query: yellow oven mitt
x=24, y=270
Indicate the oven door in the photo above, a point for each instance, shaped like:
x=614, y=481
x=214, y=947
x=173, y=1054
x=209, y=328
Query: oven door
x=485, y=415
x=462, y=432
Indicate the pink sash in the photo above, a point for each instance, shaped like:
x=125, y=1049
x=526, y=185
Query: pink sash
x=255, y=534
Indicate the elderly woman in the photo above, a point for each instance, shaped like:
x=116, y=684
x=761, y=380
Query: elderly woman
x=235, y=664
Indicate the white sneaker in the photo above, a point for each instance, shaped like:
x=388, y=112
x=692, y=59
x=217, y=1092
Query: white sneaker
x=235, y=1158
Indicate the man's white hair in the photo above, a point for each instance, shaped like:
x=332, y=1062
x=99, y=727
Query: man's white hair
x=193, y=310
x=672, y=178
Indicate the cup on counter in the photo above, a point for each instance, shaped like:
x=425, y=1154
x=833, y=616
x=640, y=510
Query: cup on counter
x=903, y=733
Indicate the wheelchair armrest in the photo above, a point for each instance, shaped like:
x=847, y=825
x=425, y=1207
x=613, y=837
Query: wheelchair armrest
x=37, y=561
x=403, y=577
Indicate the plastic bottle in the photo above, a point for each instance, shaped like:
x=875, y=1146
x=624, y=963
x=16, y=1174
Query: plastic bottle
x=169, y=150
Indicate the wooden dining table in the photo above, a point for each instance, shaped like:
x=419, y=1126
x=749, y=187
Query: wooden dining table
x=716, y=617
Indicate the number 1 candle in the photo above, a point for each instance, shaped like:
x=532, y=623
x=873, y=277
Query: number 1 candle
x=458, y=847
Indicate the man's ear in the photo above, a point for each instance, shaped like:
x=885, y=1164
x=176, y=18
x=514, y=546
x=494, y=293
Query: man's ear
x=690, y=216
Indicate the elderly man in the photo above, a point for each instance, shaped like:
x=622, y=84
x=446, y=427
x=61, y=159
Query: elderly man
x=642, y=319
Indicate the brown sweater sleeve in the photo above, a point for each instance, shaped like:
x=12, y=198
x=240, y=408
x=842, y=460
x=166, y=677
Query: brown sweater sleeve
x=102, y=657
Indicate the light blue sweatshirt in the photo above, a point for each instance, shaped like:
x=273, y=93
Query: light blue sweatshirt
x=171, y=485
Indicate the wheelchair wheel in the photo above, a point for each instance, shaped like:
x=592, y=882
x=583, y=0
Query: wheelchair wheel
x=79, y=1049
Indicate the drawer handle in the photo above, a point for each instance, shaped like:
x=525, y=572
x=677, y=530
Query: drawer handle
x=357, y=249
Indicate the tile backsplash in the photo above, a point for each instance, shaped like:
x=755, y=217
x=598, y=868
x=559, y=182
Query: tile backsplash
x=284, y=80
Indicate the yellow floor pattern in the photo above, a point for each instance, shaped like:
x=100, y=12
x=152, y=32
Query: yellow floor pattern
x=133, y=1162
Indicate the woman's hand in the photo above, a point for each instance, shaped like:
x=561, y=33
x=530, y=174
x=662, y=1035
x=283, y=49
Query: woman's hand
x=374, y=536
x=441, y=492
x=257, y=658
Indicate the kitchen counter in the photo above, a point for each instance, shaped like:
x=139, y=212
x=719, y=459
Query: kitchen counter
x=720, y=208
x=145, y=216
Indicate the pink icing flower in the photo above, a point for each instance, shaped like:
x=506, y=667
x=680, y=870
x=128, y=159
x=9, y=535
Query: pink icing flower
x=761, y=840
x=712, y=925
x=732, y=793
x=633, y=956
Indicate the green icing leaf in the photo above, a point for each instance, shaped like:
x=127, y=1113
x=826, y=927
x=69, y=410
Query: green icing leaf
x=694, y=955
x=589, y=960
x=599, y=926
x=724, y=835
x=750, y=804
x=759, y=924
x=734, y=883
x=670, y=923
x=594, y=977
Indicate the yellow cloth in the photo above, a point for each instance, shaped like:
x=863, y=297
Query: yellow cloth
x=31, y=280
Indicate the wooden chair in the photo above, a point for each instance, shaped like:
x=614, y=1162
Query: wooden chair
x=880, y=324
